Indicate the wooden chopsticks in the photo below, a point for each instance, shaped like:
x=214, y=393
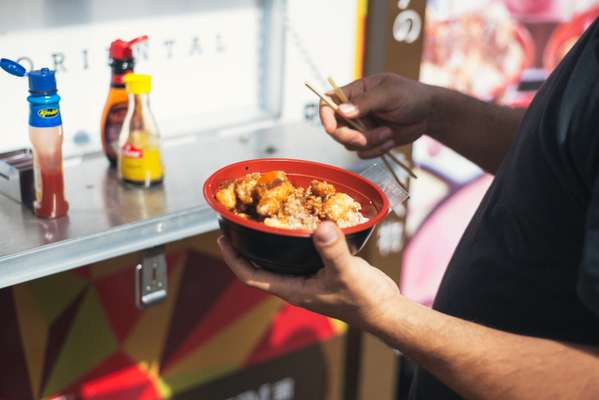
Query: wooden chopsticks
x=329, y=102
x=343, y=98
x=359, y=125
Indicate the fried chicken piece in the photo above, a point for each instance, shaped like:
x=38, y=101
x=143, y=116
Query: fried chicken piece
x=273, y=189
x=274, y=183
x=245, y=187
x=271, y=198
x=268, y=206
x=338, y=206
x=322, y=188
x=226, y=196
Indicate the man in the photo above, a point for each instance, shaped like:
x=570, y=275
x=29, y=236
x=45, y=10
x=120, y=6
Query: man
x=517, y=313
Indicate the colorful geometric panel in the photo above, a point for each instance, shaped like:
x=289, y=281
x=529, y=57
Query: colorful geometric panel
x=14, y=378
x=128, y=383
x=299, y=375
x=204, y=279
x=79, y=334
x=228, y=308
x=146, y=340
x=89, y=341
x=291, y=328
x=33, y=327
x=56, y=292
x=57, y=335
x=112, y=365
x=117, y=296
x=224, y=352
x=118, y=299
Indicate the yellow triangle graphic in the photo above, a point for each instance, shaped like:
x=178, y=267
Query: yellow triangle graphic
x=89, y=342
x=34, y=334
x=167, y=388
x=55, y=293
x=339, y=327
x=227, y=350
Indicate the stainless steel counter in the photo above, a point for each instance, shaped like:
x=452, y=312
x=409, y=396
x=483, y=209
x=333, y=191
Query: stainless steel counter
x=107, y=219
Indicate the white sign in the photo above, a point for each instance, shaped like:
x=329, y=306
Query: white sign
x=204, y=65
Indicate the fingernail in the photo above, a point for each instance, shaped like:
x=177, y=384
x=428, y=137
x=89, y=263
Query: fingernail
x=219, y=241
x=358, y=142
x=326, y=233
x=348, y=108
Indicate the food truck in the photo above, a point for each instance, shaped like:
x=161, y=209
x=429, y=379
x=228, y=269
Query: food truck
x=125, y=296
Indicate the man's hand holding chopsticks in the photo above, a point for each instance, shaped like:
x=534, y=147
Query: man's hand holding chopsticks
x=396, y=110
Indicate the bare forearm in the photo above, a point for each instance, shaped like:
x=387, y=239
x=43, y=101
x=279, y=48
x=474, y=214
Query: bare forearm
x=480, y=131
x=482, y=363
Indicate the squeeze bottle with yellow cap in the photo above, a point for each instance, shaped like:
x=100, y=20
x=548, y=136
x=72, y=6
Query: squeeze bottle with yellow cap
x=139, y=161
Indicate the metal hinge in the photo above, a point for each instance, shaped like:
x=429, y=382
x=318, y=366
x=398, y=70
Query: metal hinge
x=150, y=278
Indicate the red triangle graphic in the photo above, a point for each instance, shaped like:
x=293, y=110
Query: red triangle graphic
x=235, y=301
x=58, y=333
x=116, y=362
x=202, y=283
x=117, y=296
x=116, y=293
x=291, y=329
x=124, y=384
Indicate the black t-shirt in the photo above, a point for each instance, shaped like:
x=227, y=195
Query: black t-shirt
x=528, y=263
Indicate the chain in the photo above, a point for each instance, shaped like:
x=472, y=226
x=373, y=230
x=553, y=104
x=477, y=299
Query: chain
x=297, y=41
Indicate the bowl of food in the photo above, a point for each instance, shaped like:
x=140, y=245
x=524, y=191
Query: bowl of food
x=269, y=208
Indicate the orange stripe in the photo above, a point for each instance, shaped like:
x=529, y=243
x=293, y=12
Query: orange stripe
x=361, y=14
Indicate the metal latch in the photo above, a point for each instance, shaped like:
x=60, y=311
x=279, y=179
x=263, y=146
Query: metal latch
x=150, y=278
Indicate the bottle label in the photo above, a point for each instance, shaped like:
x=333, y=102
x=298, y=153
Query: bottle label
x=37, y=179
x=141, y=165
x=49, y=191
x=112, y=130
x=44, y=115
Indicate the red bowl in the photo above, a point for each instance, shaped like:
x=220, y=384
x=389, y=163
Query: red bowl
x=285, y=250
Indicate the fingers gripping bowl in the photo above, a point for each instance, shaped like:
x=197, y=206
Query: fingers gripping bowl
x=291, y=251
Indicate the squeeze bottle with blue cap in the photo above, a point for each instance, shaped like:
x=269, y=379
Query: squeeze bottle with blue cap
x=45, y=133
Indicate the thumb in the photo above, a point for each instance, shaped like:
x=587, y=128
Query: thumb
x=331, y=245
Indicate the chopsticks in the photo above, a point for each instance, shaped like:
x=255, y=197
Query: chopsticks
x=359, y=125
x=343, y=98
x=329, y=102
